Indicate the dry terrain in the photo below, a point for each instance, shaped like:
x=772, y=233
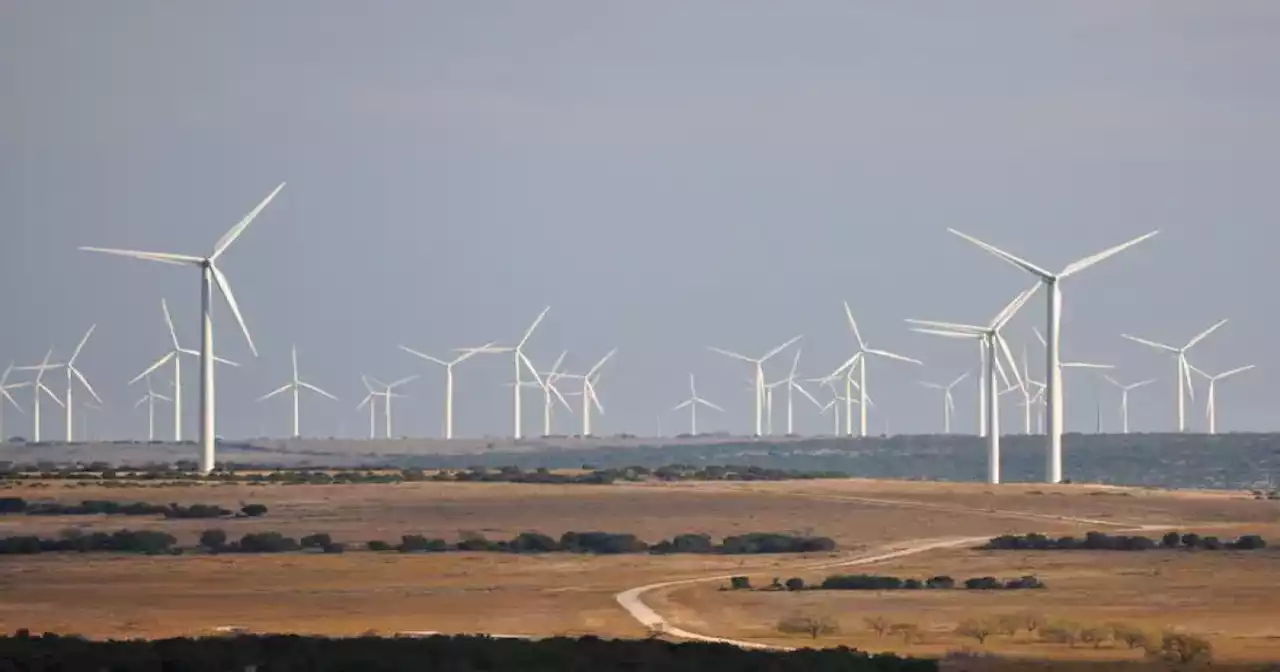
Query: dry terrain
x=1229, y=597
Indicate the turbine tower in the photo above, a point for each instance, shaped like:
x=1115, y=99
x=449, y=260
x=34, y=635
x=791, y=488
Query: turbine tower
x=38, y=386
x=1053, y=298
x=859, y=359
x=759, y=375
x=296, y=385
x=1183, y=374
x=467, y=353
x=74, y=374
x=210, y=275
x=5, y=386
x=150, y=400
x=692, y=404
x=1211, y=409
x=1124, y=398
x=995, y=346
x=948, y=403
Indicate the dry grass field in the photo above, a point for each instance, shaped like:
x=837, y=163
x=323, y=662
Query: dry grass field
x=1229, y=597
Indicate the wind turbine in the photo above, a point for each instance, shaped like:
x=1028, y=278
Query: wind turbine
x=759, y=372
x=859, y=359
x=1211, y=409
x=792, y=387
x=692, y=403
x=550, y=392
x=5, y=386
x=1183, y=373
x=1124, y=397
x=995, y=346
x=296, y=385
x=74, y=374
x=521, y=361
x=467, y=353
x=1071, y=365
x=38, y=386
x=370, y=400
x=210, y=275
x=378, y=388
x=1053, y=298
x=176, y=355
x=948, y=403
x=150, y=400
x=589, y=397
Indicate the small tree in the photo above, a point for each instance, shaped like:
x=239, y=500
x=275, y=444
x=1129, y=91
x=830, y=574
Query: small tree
x=1061, y=633
x=795, y=583
x=1171, y=540
x=318, y=540
x=213, y=539
x=1031, y=620
x=378, y=546
x=1185, y=648
x=253, y=510
x=975, y=628
x=877, y=624
x=1095, y=635
x=1132, y=636
x=740, y=583
x=910, y=632
x=808, y=625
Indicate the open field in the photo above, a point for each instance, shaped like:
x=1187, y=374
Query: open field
x=1227, y=596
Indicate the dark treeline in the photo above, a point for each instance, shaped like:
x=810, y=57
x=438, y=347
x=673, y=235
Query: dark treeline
x=1098, y=541
x=606, y=543
x=17, y=505
x=460, y=654
x=875, y=582
x=148, y=542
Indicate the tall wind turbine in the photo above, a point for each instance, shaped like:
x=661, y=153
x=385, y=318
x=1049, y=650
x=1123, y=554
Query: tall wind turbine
x=150, y=400
x=794, y=386
x=296, y=385
x=995, y=346
x=692, y=404
x=759, y=374
x=176, y=355
x=589, y=397
x=210, y=275
x=550, y=393
x=1053, y=298
x=1211, y=409
x=467, y=353
x=521, y=361
x=74, y=374
x=1124, y=397
x=378, y=388
x=1184, y=367
x=370, y=400
x=38, y=386
x=860, y=359
x=5, y=386
x=948, y=403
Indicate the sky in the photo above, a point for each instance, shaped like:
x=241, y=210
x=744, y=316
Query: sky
x=665, y=175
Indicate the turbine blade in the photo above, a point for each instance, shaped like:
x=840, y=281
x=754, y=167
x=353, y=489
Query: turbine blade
x=950, y=325
x=371, y=382
x=141, y=401
x=159, y=363
x=1014, y=306
x=892, y=355
x=555, y=368
x=1086, y=365
x=365, y=401
x=1201, y=336
x=800, y=388
x=1153, y=344
x=223, y=361
x=1233, y=372
x=278, y=390
x=5, y=393
x=293, y=352
x=780, y=348
x=683, y=404
x=1185, y=370
x=529, y=332
x=404, y=380
x=76, y=353
x=1040, y=337
x=1004, y=377
x=225, y=287
x=41, y=387
x=317, y=390
x=959, y=379
x=1082, y=264
x=173, y=335
x=1142, y=383
x=601, y=363
x=708, y=404
x=848, y=363
x=948, y=334
x=1016, y=261
x=556, y=391
x=1113, y=381
x=161, y=397
x=429, y=358
x=162, y=257
x=235, y=231
x=529, y=365
x=591, y=390
x=1013, y=364
x=854, y=325
x=84, y=381
x=732, y=354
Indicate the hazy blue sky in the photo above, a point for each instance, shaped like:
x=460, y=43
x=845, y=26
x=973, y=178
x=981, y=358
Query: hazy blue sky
x=666, y=175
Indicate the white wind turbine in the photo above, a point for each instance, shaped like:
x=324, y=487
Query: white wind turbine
x=210, y=275
x=1071, y=365
x=5, y=386
x=150, y=399
x=589, y=397
x=521, y=361
x=550, y=393
x=1211, y=409
x=377, y=389
x=1124, y=397
x=859, y=359
x=1184, y=370
x=759, y=375
x=995, y=346
x=74, y=374
x=38, y=386
x=692, y=404
x=948, y=403
x=176, y=356
x=467, y=353
x=296, y=384
x=1053, y=298
x=792, y=387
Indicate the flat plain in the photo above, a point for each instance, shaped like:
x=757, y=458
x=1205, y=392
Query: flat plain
x=1227, y=596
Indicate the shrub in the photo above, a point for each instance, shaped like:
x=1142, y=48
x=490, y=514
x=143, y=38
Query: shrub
x=603, y=543
x=319, y=540
x=979, y=629
x=861, y=582
x=267, y=542
x=378, y=546
x=909, y=632
x=1249, y=542
x=213, y=539
x=1133, y=637
x=740, y=583
x=877, y=624
x=334, y=548
x=1191, y=540
x=983, y=583
x=533, y=542
x=1095, y=635
x=1008, y=624
x=410, y=543
x=1171, y=540
x=253, y=510
x=1185, y=648
x=1063, y=632
x=808, y=625
x=941, y=583
x=1031, y=620
x=12, y=505
x=795, y=583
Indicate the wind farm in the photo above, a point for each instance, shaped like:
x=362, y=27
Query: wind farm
x=646, y=337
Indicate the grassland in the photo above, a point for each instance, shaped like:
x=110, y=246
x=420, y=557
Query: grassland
x=1227, y=596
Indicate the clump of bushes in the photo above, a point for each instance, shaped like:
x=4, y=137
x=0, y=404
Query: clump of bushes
x=875, y=582
x=814, y=626
x=1098, y=541
x=92, y=507
x=147, y=542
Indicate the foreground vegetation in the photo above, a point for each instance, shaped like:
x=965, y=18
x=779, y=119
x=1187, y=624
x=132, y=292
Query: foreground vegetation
x=70, y=654
x=17, y=505
x=1099, y=541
